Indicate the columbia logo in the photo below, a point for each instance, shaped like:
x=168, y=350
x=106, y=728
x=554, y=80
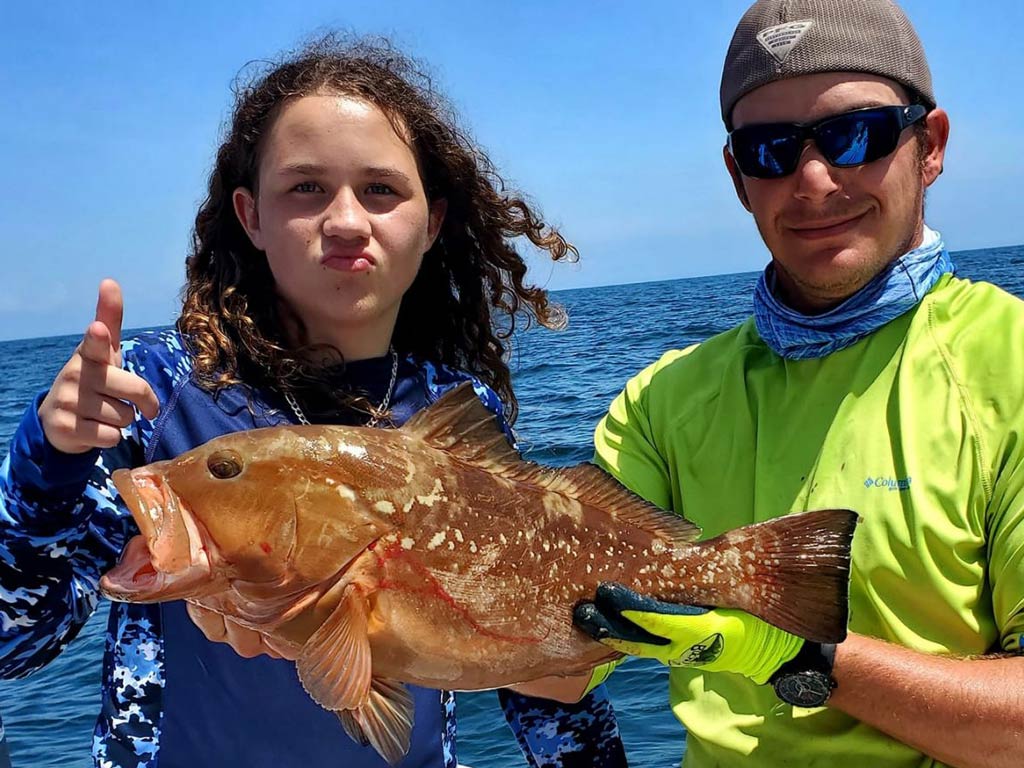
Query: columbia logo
x=889, y=483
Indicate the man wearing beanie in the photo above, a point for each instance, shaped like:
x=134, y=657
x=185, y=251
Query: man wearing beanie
x=869, y=378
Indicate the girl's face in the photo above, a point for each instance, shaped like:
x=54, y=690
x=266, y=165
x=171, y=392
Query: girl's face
x=341, y=213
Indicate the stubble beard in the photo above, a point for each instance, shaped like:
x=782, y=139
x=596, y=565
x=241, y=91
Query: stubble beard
x=827, y=296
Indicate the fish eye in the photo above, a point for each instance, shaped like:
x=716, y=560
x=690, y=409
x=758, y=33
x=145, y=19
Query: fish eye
x=224, y=464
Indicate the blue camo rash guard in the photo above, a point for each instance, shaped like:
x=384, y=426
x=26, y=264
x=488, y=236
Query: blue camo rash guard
x=170, y=697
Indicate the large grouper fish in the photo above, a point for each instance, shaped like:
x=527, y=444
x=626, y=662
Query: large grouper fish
x=434, y=555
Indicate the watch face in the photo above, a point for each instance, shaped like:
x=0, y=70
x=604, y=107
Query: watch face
x=804, y=689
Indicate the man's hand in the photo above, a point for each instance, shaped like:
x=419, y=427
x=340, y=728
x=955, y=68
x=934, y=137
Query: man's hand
x=718, y=640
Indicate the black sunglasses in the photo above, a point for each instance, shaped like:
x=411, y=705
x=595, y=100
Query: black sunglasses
x=772, y=150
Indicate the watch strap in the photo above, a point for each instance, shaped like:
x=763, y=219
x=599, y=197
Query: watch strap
x=806, y=679
x=812, y=657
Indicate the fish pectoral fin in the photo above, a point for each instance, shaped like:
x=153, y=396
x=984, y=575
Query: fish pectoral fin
x=384, y=721
x=335, y=663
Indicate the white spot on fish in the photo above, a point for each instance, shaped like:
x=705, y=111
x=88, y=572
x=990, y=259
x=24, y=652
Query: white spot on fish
x=472, y=547
x=658, y=547
x=407, y=543
x=346, y=493
x=356, y=451
x=668, y=571
x=437, y=540
x=547, y=547
x=385, y=507
x=458, y=535
x=557, y=505
x=436, y=494
x=502, y=539
x=589, y=568
x=451, y=545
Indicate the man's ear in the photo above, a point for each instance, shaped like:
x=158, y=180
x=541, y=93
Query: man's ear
x=438, y=209
x=937, y=124
x=737, y=177
x=245, y=209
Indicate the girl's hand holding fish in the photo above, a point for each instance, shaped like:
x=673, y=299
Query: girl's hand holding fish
x=718, y=640
x=246, y=642
x=92, y=397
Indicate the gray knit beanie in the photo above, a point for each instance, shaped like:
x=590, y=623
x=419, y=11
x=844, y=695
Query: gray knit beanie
x=777, y=39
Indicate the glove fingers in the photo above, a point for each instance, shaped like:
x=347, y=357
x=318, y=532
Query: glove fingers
x=612, y=626
x=612, y=597
x=587, y=617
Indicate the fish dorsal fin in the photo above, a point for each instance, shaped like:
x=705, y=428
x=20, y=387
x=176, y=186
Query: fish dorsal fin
x=461, y=425
x=591, y=485
x=334, y=666
x=384, y=722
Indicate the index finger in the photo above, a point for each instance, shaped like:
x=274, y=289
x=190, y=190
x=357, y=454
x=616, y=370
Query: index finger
x=110, y=310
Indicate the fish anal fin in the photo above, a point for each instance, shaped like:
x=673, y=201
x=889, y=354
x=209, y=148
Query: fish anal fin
x=335, y=663
x=384, y=721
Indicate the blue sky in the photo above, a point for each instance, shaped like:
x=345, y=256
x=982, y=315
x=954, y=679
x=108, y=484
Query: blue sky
x=605, y=113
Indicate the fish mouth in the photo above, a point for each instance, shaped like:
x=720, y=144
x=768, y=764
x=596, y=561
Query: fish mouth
x=170, y=559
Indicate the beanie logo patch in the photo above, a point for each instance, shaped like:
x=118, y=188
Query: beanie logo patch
x=780, y=40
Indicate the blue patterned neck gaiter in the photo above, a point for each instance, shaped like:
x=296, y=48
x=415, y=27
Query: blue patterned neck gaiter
x=897, y=290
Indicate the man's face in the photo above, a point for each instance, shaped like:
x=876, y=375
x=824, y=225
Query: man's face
x=831, y=230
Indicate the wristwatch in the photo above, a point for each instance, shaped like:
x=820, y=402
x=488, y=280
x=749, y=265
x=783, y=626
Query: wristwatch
x=806, y=679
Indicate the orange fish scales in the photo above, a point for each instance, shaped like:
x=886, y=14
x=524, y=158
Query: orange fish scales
x=434, y=555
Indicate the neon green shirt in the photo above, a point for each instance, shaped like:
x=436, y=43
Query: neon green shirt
x=918, y=427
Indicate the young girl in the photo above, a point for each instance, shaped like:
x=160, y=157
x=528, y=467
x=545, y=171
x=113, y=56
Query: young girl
x=353, y=260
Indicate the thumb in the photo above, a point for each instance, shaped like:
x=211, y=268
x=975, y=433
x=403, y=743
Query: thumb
x=110, y=312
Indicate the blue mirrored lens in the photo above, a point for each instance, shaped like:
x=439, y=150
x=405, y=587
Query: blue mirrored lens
x=770, y=155
x=762, y=152
x=770, y=151
x=857, y=139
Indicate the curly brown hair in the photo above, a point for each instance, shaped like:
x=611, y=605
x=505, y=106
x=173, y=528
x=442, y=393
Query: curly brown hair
x=469, y=295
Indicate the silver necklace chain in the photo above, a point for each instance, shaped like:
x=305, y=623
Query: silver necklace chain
x=384, y=404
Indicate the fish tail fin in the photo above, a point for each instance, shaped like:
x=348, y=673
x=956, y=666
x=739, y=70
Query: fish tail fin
x=798, y=575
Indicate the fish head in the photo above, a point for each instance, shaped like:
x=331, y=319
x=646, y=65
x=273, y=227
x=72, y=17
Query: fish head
x=261, y=507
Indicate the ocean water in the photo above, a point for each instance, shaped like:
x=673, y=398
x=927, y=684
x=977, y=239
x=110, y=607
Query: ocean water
x=565, y=382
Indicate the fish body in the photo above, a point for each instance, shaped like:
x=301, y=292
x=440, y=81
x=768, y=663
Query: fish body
x=434, y=555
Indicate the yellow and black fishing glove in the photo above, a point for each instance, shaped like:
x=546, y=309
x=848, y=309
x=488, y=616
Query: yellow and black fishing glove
x=716, y=640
